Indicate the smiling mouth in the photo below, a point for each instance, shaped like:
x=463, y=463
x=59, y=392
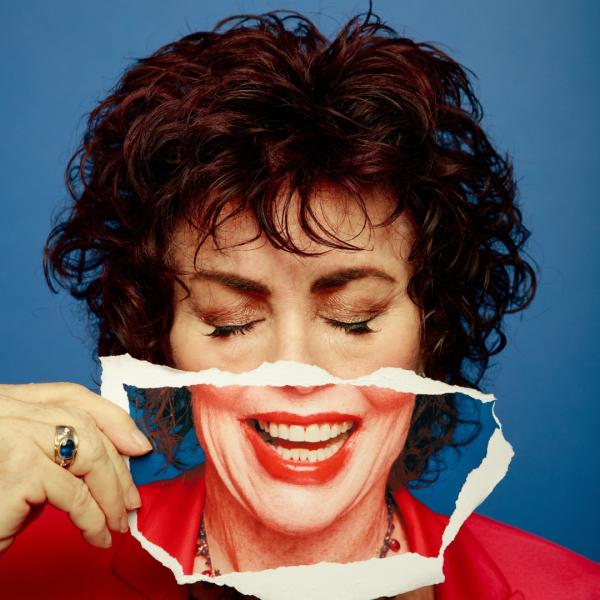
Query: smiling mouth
x=312, y=443
x=303, y=449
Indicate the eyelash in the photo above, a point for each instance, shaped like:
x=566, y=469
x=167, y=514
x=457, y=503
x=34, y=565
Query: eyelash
x=353, y=328
x=223, y=331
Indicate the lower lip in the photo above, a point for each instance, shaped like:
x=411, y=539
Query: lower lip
x=291, y=471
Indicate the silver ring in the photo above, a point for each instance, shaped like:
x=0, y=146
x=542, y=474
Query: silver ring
x=65, y=445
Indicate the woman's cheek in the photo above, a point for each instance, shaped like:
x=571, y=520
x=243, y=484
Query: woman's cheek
x=389, y=417
x=210, y=402
x=386, y=400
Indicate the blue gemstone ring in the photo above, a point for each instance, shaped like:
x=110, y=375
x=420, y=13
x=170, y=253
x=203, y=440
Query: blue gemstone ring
x=65, y=445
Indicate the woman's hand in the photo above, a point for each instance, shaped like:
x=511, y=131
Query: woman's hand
x=96, y=490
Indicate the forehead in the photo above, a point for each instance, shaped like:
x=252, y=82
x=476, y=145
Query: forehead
x=334, y=215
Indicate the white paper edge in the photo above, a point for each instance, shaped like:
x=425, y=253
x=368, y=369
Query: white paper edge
x=353, y=581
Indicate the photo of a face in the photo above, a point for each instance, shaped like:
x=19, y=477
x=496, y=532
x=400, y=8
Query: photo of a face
x=321, y=453
x=282, y=469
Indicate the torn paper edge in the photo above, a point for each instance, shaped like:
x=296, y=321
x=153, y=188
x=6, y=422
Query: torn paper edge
x=352, y=581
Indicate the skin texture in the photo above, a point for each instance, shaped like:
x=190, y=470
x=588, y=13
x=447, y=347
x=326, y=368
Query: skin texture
x=294, y=312
x=96, y=490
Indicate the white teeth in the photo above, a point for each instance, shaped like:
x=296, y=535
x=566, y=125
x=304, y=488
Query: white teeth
x=335, y=433
x=324, y=432
x=312, y=456
x=296, y=433
x=284, y=431
x=311, y=433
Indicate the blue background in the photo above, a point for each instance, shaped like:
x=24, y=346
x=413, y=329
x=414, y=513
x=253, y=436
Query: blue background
x=537, y=64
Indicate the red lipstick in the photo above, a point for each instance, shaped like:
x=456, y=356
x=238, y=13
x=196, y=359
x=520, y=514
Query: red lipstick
x=290, y=418
x=300, y=472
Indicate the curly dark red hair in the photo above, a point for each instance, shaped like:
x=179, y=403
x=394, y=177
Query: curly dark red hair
x=244, y=112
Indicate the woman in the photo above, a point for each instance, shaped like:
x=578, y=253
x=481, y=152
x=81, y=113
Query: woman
x=261, y=194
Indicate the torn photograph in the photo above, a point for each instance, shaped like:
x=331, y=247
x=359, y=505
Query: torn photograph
x=288, y=472
x=287, y=315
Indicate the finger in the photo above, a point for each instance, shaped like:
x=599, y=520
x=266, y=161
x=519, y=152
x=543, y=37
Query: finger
x=47, y=481
x=14, y=515
x=73, y=495
x=115, y=493
x=131, y=496
x=92, y=462
x=104, y=484
x=110, y=418
x=17, y=473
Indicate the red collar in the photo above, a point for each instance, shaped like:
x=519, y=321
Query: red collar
x=170, y=517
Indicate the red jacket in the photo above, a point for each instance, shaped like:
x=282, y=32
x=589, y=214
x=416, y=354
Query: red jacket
x=487, y=560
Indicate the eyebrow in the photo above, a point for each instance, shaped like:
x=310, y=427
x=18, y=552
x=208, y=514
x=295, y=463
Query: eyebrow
x=330, y=281
x=342, y=277
x=234, y=281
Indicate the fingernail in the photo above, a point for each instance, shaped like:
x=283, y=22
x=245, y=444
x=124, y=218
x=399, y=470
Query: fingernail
x=140, y=440
x=132, y=498
x=107, y=539
x=124, y=523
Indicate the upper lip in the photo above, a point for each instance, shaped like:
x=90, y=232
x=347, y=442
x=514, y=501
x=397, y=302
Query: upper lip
x=295, y=419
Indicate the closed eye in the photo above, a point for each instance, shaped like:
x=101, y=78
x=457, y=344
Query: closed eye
x=222, y=331
x=354, y=328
